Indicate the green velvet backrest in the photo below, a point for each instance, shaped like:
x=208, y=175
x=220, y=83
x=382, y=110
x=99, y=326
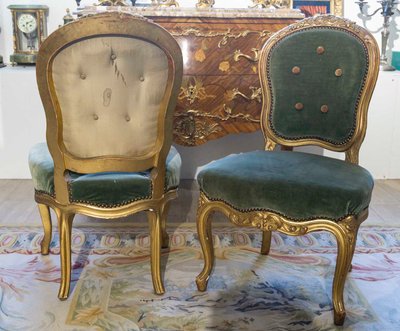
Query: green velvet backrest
x=317, y=75
x=316, y=84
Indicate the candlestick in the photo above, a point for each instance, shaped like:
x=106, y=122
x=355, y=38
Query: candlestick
x=387, y=9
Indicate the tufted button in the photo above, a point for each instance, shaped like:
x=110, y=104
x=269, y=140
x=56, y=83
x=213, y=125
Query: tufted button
x=127, y=118
x=320, y=50
x=296, y=70
x=324, y=108
x=141, y=78
x=113, y=57
x=299, y=106
x=95, y=117
x=338, y=72
x=83, y=76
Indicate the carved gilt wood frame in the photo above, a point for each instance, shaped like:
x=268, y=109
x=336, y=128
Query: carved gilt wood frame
x=106, y=24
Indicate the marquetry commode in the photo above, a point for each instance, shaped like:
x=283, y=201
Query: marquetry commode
x=221, y=92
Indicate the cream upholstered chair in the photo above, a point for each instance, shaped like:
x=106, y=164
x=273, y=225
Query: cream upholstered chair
x=317, y=78
x=109, y=85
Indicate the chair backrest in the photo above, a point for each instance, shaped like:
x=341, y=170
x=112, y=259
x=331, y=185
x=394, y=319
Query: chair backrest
x=109, y=84
x=317, y=77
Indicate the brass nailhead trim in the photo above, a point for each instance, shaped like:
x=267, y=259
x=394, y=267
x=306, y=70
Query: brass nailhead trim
x=83, y=76
x=95, y=117
x=141, y=78
x=113, y=56
x=296, y=70
x=324, y=109
x=127, y=118
x=299, y=106
x=338, y=72
x=247, y=210
x=320, y=50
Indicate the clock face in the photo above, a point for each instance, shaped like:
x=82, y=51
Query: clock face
x=27, y=23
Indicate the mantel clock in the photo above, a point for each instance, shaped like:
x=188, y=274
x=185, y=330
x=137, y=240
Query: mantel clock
x=30, y=29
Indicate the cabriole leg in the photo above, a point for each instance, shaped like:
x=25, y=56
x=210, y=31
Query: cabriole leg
x=266, y=242
x=65, y=229
x=164, y=233
x=47, y=228
x=155, y=250
x=206, y=242
x=353, y=247
x=343, y=263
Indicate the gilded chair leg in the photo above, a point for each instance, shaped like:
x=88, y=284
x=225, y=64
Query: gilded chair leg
x=65, y=230
x=343, y=263
x=266, y=242
x=164, y=233
x=155, y=250
x=206, y=242
x=353, y=247
x=47, y=228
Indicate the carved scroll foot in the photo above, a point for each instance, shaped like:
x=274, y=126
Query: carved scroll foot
x=47, y=228
x=339, y=318
x=266, y=242
x=205, y=238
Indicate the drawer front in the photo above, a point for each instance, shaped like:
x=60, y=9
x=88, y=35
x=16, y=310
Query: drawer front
x=221, y=48
x=210, y=107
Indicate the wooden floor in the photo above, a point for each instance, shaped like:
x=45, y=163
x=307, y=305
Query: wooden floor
x=17, y=207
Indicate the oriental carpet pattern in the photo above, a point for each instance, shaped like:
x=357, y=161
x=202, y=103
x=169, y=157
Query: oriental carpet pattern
x=288, y=290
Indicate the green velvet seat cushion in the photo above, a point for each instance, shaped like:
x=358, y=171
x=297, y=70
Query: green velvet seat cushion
x=101, y=189
x=297, y=185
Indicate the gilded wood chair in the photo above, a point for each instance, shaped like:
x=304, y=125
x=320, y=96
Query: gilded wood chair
x=109, y=85
x=317, y=79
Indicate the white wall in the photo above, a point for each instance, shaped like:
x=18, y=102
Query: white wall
x=22, y=121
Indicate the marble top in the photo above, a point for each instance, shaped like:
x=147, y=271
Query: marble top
x=197, y=12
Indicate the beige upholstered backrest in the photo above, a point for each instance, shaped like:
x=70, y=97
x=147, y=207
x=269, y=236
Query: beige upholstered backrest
x=110, y=89
x=109, y=85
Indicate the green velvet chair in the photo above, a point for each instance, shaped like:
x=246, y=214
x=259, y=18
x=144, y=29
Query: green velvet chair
x=317, y=78
x=109, y=85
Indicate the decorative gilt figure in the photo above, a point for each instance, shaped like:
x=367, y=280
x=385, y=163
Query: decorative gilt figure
x=68, y=17
x=112, y=3
x=270, y=3
x=205, y=3
x=164, y=3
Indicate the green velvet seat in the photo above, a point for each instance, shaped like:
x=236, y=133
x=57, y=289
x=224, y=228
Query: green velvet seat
x=101, y=189
x=297, y=185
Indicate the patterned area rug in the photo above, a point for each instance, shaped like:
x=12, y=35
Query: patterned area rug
x=288, y=290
